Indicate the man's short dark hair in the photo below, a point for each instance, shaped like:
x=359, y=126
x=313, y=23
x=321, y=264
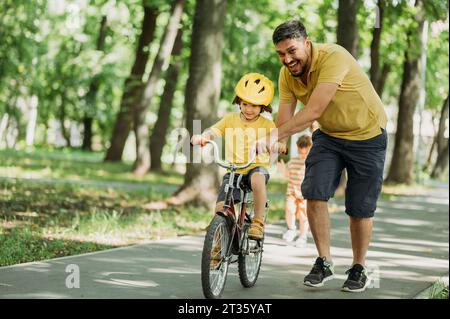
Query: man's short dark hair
x=289, y=30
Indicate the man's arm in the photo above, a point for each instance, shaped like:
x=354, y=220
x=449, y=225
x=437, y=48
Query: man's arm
x=318, y=102
x=285, y=113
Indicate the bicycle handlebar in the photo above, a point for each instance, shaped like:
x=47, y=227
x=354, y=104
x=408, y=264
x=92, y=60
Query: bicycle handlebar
x=231, y=166
x=227, y=165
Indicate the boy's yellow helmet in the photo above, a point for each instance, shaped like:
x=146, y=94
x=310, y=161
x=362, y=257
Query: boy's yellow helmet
x=256, y=89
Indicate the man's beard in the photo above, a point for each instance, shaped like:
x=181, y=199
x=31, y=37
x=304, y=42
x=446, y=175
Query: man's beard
x=302, y=70
x=299, y=73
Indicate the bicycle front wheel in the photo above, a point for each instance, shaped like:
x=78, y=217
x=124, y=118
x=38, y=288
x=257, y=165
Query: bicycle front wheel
x=249, y=260
x=214, y=262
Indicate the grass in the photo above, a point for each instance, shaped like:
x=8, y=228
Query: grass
x=67, y=219
x=73, y=165
x=439, y=291
x=391, y=191
x=20, y=245
x=56, y=203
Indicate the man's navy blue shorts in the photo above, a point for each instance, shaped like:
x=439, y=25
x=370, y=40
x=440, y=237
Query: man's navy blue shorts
x=364, y=161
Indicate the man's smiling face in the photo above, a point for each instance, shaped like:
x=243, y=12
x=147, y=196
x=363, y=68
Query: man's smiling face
x=295, y=54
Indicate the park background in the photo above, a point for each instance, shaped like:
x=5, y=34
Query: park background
x=93, y=94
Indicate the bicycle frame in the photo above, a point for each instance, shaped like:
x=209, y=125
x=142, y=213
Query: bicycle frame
x=236, y=226
x=236, y=223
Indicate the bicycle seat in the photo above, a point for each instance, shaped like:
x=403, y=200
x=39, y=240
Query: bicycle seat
x=243, y=184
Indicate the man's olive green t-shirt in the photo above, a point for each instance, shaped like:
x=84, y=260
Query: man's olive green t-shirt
x=356, y=111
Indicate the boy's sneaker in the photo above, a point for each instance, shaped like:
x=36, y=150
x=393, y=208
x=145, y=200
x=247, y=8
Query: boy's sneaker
x=289, y=235
x=357, y=280
x=321, y=272
x=301, y=242
x=256, y=231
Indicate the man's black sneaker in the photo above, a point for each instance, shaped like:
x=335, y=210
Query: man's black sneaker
x=357, y=280
x=321, y=272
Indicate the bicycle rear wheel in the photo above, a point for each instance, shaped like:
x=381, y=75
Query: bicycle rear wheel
x=214, y=267
x=249, y=260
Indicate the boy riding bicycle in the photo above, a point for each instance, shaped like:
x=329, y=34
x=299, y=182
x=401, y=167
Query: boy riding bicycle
x=254, y=93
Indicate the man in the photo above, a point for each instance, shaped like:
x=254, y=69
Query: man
x=337, y=93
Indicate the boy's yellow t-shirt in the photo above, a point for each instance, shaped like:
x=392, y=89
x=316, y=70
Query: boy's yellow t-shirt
x=240, y=139
x=356, y=111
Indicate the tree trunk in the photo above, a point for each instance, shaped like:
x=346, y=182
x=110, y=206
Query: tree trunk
x=440, y=138
x=442, y=144
x=92, y=94
x=347, y=36
x=62, y=118
x=382, y=79
x=441, y=165
x=202, y=95
x=375, y=74
x=140, y=108
x=32, y=120
x=402, y=164
x=347, y=29
x=158, y=139
x=132, y=86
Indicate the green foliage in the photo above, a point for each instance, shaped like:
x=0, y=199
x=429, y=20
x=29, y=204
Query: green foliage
x=248, y=36
x=437, y=65
x=439, y=291
x=48, y=52
x=27, y=245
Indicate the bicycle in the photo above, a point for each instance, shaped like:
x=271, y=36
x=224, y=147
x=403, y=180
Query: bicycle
x=229, y=232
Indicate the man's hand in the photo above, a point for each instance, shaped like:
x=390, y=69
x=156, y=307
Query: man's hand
x=278, y=147
x=265, y=145
x=198, y=140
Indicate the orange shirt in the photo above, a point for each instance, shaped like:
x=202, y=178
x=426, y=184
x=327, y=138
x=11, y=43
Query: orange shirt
x=296, y=169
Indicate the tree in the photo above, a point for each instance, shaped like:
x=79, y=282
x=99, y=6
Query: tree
x=378, y=75
x=347, y=29
x=132, y=86
x=202, y=95
x=140, y=108
x=158, y=138
x=402, y=164
x=92, y=92
x=441, y=164
x=347, y=36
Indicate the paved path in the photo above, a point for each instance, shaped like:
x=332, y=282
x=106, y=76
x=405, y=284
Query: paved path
x=409, y=251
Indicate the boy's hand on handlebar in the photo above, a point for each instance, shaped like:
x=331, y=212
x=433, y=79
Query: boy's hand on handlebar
x=261, y=146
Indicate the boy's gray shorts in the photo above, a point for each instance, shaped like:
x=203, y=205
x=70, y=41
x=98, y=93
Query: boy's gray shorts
x=244, y=184
x=364, y=161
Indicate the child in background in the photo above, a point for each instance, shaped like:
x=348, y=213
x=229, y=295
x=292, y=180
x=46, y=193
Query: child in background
x=295, y=203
